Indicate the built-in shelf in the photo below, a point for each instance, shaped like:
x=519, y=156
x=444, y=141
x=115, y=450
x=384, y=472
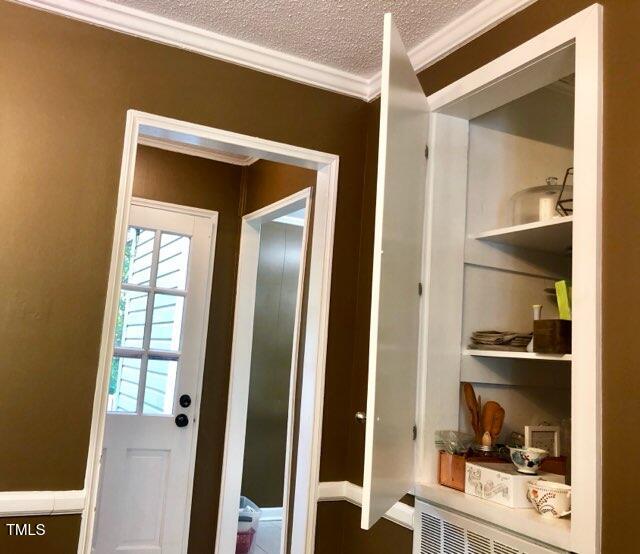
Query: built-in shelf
x=554, y=235
x=517, y=355
x=525, y=521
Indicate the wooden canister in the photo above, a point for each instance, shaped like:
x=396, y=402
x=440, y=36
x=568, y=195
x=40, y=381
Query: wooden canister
x=451, y=470
x=552, y=336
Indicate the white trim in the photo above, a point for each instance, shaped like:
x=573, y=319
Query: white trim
x=177, y=208
x=331, y=491
x=192, y=150
x=240, y=377
x=282, y=206
x=41, y=503
x=307, y=470
x=110, y=15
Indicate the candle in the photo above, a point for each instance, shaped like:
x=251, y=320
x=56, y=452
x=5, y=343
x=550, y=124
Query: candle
x=546, y=207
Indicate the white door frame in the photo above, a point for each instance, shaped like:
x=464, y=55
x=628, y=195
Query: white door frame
x=239, y=380
x=317, y=318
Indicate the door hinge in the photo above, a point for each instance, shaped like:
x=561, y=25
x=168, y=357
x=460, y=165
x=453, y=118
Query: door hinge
x=415, y=432
x=426, y=152
x=419, y=289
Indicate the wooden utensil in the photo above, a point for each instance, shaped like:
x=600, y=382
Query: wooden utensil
x=492, y=419
x=474, y=410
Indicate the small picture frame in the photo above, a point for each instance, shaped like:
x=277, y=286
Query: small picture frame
x=546, y=437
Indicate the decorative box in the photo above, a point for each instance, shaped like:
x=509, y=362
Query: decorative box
x=501, y=483
x=451, y=468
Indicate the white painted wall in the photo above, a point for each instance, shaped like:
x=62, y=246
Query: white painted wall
x=515, y=147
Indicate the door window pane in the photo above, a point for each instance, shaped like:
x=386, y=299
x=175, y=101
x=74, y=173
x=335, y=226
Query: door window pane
x=166, y=324
x=132, y=314
x=160, y=386
x=138, y=256
x=123, y=384
x=172, y=261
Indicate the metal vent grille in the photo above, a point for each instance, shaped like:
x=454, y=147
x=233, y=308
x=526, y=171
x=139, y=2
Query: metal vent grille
x=441, y=532
x=454, y=539
x=499, y=548
x=478, y=544
x=430, y=535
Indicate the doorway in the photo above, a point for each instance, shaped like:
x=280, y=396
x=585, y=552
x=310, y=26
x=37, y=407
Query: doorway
x=262, y=392
x=205, y=142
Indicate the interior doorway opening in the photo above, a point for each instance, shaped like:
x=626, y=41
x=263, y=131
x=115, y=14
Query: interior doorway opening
x=264, y=378
x=148, y=338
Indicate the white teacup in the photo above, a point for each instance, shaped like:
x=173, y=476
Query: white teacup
x=550, y=499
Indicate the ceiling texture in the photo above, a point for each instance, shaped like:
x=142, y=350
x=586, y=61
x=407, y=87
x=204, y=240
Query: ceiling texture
x=343, y=34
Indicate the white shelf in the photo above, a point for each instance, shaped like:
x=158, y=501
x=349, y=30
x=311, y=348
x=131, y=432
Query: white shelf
x=525, y=521
x=554, y=235
x=517, y=355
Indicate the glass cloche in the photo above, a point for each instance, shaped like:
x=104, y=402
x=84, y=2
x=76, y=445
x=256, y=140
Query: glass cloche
x=543, y=202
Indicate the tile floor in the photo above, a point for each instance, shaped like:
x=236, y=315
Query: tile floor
x=268, y=537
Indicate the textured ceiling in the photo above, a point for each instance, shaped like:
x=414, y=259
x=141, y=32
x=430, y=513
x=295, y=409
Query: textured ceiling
x=345, y=34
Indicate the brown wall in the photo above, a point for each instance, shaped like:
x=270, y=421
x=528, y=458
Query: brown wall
x=65, y=90
x=268, y=182
x=338, y=530
x=61, y=535
x=621, y=256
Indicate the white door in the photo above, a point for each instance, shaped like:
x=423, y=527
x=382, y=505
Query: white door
x=395, y=302
x=156, y=373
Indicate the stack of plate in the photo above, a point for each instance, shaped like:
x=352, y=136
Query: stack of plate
x=500, y=340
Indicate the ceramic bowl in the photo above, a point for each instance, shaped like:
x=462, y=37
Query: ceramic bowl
x=527, y=460
x=550, y=499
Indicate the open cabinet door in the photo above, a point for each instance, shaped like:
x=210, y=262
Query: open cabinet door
x=395, y=302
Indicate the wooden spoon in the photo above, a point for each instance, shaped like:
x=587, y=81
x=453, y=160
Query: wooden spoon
x=492, y=419
x=474, y=409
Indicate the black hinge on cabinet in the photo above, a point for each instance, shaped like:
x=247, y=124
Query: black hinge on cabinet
x=415, y=432
x=419, y=289
x=426, y=152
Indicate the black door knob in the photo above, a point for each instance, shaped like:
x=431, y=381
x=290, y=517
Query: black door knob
x=182, y=420
x=185, y=401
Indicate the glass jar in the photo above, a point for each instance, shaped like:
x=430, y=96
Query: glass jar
x=539, y=203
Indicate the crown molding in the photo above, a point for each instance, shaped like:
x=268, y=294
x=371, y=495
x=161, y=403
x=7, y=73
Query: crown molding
x=173, y=33
x=462, y=30
x=103, y=13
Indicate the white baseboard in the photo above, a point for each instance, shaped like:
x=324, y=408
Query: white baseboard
x=328, y=491
x=35, y=503
x=271, y=514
